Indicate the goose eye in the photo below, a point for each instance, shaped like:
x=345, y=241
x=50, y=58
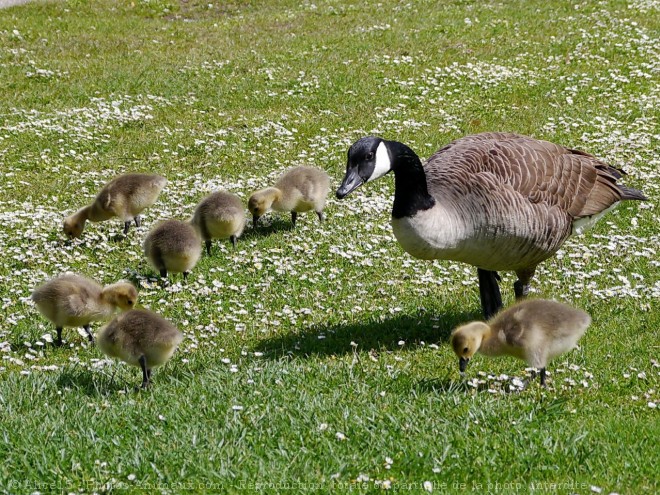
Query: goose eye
x=370, y=156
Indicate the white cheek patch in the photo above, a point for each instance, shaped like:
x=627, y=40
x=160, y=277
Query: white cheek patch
x=383, y=163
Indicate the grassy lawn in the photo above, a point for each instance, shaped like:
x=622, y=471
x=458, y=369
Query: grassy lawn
x=316, y=359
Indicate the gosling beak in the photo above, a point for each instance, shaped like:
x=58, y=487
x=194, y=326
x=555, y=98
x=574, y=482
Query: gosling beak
x=351, y=182
x=255, y=219
x=462, y=364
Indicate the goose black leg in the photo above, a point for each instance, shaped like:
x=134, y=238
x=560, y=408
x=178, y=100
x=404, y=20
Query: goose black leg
x=489, y=290
x=146, y=373
x=127, y=226
x=294, y=216
x=58, y=342
x=320, y=215
x=89, y=333
x=138, y=220
x=522, y=285
x=233, y=240
x=208, y=247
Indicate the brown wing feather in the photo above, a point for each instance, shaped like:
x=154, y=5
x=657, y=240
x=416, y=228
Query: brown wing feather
x=575, y=182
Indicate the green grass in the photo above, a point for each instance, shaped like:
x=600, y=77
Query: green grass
x=316, y=359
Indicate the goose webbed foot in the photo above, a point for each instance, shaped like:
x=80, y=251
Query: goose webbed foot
x=489, y=290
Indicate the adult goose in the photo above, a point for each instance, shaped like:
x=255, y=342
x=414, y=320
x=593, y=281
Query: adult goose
x=497, y=201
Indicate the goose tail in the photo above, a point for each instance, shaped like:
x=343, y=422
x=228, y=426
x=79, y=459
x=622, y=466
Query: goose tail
x=630, y=193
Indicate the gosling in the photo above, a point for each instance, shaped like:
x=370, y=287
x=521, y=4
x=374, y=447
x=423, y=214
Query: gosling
x=173, y=246
x=74, y=301
x=220, y=215
x=298, y=190
x=535, y=330
x=124, y=197
x=140, y=338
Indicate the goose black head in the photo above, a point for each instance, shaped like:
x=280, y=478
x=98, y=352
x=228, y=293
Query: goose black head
x=368, y=159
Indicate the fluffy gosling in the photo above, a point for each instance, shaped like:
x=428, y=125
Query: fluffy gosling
x=140, y=338
x=124, y=197
x=298, y=190
x=173, y=246
x=534, y=330
x=220, y=215
x=74, y=301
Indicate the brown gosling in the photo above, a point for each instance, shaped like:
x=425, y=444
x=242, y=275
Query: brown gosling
x=74, y=301
x=140, y=338
x=535, y=330
x=124, y=197
x=220, y=215
x=298, y=190
x=173, y=246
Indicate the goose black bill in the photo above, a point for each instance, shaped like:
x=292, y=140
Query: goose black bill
x=351, y=182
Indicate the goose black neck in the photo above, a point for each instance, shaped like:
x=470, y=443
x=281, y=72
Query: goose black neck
x=411, y=193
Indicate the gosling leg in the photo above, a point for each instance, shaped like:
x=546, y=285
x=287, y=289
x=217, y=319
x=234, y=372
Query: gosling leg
x=127, y=226
x=138, y=220
x=233, y=240
x=208, y=247
x=294, y=216
x=58, y=342
x=320, y=215
x=146, y=373
x=89, y=333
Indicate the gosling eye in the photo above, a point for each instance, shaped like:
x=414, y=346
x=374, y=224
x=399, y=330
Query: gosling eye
x=130, y=302
x=465, y=349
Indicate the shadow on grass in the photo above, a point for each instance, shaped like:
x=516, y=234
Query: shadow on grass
x=93, y=383
x=276, y=224
x=322, y=340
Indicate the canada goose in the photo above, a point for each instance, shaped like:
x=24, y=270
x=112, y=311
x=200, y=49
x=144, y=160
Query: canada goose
x=140, y=338
x=220, y=215
x=297, y=190
x=498, y=201
x=535, y=330
x=173, y=246
x=124, y=197
x=74, y=301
